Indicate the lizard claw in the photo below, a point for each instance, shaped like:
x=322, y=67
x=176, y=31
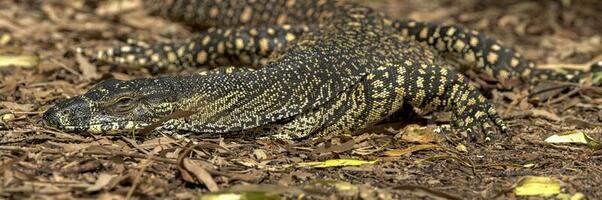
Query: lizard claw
x=480, y=123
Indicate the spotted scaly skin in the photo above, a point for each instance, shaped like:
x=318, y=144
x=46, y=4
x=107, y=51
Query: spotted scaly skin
x=324, y=67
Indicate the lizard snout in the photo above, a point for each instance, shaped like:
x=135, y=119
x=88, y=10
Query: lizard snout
x=72, y=114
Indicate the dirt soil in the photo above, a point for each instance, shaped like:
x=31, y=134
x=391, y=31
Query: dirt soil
x=44, y=163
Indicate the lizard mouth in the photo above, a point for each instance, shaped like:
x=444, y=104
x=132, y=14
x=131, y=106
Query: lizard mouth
x=107, y=127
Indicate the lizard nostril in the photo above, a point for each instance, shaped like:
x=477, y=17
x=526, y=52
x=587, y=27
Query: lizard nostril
x=51, y=118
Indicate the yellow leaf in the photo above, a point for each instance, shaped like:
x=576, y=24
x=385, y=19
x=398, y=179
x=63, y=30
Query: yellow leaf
x=239, y=196
x=399, y=152
x=7, y=117
x=578, y=196
x=537, y=185
x=462, y=148
x=574, y=137
x=335, y=163
x=18, y=61
x=529, y=165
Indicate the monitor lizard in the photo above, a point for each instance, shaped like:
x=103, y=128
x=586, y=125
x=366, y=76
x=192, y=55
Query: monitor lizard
x=296, y=69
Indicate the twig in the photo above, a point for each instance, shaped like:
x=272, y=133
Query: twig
x=138, y=176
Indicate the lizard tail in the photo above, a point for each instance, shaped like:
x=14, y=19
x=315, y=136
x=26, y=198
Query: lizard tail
x=485, y=53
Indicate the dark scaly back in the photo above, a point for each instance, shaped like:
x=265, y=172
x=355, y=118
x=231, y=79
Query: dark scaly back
x=241, y=32
x=310, y=73
x=229, y=13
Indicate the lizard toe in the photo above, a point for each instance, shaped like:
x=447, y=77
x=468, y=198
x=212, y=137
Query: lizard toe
x=481, y=123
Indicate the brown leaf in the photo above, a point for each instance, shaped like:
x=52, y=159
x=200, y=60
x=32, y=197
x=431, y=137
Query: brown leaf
x=102, y=181
x=545, y=114
x=416, y=133
x=409, y=150
x=72, y=147
x=17, y=107
x=88, y=70
x=201, y=174
x=337, y=148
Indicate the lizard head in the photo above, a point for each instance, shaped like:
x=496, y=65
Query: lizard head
x=114, y=105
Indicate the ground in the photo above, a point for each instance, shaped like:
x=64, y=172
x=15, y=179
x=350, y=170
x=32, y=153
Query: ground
x=40, y=162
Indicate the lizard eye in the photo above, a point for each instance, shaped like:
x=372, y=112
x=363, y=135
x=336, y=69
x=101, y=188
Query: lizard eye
x=124, y=101
x=123, y=104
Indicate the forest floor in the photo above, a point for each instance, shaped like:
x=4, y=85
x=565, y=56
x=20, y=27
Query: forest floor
x=39, y=162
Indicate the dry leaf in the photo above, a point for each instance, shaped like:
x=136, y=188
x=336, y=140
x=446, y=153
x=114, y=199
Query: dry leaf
x=537, y=186
x=18, y=61
x=395, y=153
x=417, y=133
x=546, y=115
x=88, y=70
x=574, y=137
x=201, y=174
x=102, y=181
x=335, y=163
x=16, y=107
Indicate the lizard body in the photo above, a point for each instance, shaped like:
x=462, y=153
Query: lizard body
x=323, y=67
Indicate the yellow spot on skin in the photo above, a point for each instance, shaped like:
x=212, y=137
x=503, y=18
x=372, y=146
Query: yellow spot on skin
x=290, y=3
x=130, y=58
x=181, y=51
x=264, y=45
x=110, y=52
x=95, y=129
x=451, y=31
x=459, y=46
x=281, y=19
x=213, y=12
x=290, y=37
x=405, y=32
x=469, y=120
x=240, y=44
x=526, y=73
x=489, y=71
x=221, y=48
x=471, y=102
x=503, y=75
x=142, y=61
x=514, y=62
x=271, y=31
x=246, y=14
x=126, y=49
x=492, y=57
x=130, y=125
x=155, y=58
x=479, y=114
x=253, y=32
x=171, y=57
x=201, y=57
x=496, y=47
x=474, y=41
x=470, y=57
x=206, y=40
x=440, y=45
x=424, y=33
